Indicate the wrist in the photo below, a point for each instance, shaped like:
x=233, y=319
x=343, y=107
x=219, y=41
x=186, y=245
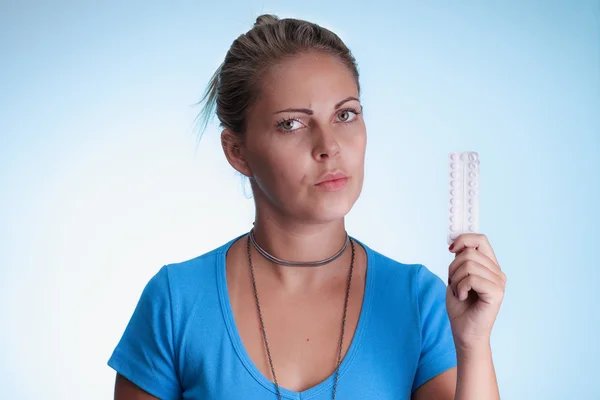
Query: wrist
x=481, y=351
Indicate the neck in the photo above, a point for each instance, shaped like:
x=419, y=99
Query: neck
x=300, y=242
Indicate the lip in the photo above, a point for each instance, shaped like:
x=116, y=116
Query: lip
x=332, y=181
x=332, y=176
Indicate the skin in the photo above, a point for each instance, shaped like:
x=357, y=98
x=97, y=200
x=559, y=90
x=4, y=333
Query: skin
x=297, y=220
x=284, y=155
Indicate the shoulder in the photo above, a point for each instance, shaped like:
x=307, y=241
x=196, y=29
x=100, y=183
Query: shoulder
x=391, y=268
x=393, y=276
x=190, y=276
x=198, y=267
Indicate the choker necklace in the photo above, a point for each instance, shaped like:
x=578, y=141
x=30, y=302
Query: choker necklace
x=276, y=260
x=262, y=324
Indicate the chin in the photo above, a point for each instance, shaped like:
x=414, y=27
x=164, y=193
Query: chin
x=329, y=211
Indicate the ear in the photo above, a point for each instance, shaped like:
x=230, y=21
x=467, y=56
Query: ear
x=234, y=152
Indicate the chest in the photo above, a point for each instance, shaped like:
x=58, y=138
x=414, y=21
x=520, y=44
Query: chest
x=303, y=335
x=222, y=354
x=296, y=338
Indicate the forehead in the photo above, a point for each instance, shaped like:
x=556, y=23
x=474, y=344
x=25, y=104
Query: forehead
x=307, y=80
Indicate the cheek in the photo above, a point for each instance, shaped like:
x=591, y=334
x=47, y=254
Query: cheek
x=279, y=171
x=358, y=147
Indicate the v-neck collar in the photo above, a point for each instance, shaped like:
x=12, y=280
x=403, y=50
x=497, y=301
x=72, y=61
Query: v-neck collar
x=245, y=357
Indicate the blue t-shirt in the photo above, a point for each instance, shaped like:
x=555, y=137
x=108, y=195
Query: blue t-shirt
x=182, y=342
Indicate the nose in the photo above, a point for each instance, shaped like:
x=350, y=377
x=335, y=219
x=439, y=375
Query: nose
x=326, y=144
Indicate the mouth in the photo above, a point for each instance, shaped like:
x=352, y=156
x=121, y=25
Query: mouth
x=333, y=181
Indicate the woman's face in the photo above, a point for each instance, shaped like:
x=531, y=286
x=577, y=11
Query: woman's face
x=306, y=125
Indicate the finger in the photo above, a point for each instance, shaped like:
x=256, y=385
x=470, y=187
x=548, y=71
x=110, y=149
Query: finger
x=469, y=254
x=470, y=268
x=476, y=241
x=488, y=291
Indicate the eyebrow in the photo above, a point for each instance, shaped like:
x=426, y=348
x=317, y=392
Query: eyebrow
x=310, y=112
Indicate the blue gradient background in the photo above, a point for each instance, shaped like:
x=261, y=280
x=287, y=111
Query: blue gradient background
x=103, y=181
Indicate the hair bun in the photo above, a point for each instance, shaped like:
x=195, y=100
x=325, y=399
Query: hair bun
x=266, y=19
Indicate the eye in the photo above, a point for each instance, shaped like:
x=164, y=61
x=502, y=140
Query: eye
x=289, y=125
x=348, y=115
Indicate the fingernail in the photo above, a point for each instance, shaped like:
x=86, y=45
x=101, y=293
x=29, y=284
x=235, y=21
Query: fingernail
x=451, y=246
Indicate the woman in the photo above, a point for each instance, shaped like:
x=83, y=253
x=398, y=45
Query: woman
x=297, y=309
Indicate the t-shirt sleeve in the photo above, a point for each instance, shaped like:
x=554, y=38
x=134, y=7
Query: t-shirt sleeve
x=145, y=353
x=438, y=352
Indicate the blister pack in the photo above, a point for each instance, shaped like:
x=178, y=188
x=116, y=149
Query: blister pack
x=463, y=193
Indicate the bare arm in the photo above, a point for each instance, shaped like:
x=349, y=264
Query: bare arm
x=127, y=390
x=474, y=378
x=476, y=375
x=441, y=387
